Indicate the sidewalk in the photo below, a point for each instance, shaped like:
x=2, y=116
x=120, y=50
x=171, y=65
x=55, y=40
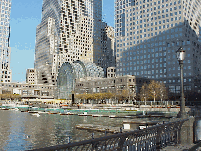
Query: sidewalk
x=179, y=147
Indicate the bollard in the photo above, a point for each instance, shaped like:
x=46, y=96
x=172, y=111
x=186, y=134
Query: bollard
x=68, y=140
x=92, y=135
x=120, y=129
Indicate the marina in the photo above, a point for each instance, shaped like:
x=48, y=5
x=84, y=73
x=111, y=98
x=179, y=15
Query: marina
x=37, y=127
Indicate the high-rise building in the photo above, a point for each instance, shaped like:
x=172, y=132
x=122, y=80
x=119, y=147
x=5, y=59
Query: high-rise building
x=5, y=50
x=31, y=76
x=70, y=30
x=105, y=56
x=149, y=32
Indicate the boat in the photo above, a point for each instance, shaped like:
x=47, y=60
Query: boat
x=36, y=114
x=68, y=113
x=22, y=106
x=85, y=114
x=41, y=112
x=32, y=112
x=64, y=106
x=4, y=108
x=97, y=115
x=52, y=113
x=16, y=109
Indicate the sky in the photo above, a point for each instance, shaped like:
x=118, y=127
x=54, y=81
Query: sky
x=25, y=16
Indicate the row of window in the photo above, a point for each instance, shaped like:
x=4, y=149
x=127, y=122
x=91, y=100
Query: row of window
x=122, y=32
x=5, y=76
x=131, y=25
x=5, y=81
x=160, y=43
x=119, y=6
x=152, y=71
x=160, y=76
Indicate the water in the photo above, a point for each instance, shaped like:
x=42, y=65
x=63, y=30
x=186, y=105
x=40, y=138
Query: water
x=23, y=131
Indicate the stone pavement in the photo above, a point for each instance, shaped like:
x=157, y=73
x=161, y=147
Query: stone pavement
x=179, y=147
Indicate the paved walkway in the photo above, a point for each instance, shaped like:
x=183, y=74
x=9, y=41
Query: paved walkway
x=179, y=148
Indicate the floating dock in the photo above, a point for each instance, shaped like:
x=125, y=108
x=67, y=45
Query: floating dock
x=98, y=128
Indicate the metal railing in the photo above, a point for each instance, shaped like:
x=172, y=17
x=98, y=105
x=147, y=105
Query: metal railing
x=195, y=147
x=163, y=103
x=149, y=139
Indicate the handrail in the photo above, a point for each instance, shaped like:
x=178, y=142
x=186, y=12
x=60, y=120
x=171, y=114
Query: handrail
x=152, y=137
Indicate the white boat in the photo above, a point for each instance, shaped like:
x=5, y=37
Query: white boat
x=22, y=106
x=11, y=105
x=36, y=114
x=41, y=112
x=4, y=108
x=16, y=109
x=97, y=115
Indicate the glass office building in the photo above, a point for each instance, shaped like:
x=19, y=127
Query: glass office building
x=69, y=30
x=149, y=32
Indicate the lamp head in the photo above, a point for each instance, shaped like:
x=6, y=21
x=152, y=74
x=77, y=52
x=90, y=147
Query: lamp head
x=180, y=54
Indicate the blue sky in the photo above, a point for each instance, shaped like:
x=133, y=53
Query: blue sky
x=25, y=16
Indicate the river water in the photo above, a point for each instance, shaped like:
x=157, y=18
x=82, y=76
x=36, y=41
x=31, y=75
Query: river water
x=23, y=131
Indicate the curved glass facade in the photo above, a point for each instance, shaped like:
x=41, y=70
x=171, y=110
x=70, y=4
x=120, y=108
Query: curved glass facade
x=69, y=72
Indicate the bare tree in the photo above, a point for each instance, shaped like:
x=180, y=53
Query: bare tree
x=144, y=92
x=154, y=89
x=163, y=92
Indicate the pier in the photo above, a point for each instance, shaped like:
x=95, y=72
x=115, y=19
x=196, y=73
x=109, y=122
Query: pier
x=98, y=128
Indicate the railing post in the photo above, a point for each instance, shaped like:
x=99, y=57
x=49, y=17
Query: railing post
x=158, y=139
x=120, y=129
x=178, y=136
x=121, y=142
x=68, y=139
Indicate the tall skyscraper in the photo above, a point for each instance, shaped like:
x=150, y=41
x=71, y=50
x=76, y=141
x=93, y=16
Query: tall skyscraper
x=149, y=32
x=70, y=30
x=104, y=56
x=5, y=50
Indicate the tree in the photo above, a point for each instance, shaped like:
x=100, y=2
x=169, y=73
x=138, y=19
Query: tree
x=108, y=95
x=154, y=89
x=144, y=92
x=125, y=94
x=163, y=92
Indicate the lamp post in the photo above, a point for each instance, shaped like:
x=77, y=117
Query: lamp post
x=181, y=56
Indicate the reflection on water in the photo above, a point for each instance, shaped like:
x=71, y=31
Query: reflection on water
x=22, y=131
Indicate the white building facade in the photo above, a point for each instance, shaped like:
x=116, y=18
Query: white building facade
x=148, y=34
x=31, y=76
x=5, y=50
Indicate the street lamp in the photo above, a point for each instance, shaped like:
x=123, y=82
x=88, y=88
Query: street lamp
x=180, y=57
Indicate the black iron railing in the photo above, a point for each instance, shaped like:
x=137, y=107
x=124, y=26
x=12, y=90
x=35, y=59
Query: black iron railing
x=195, y=147
x=149, y=139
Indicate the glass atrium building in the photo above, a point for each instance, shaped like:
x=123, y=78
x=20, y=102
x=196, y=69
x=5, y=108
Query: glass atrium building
x=69, y=72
